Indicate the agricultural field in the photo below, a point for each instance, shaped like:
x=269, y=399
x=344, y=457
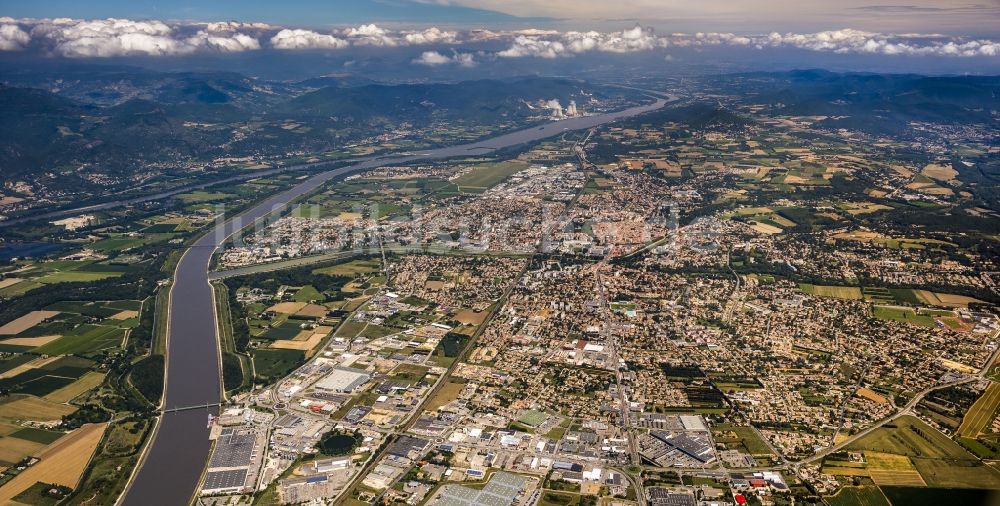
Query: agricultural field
x=47, y=378
x=352, y=268
x=275, y=363
x=61, y=463
x=858, y=496
x=896, y=453
x=902, y=314
x=24, y=407
x=84, y=384
x=41, y=331
x=892, y=242
x=741, y=438
x=483, y=177
x=32, y=274
x=920, y=496
x=981, y=413
x=839, y=292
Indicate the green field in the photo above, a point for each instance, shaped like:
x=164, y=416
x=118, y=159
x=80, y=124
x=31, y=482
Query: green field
x=42, y=494
x=532, y=418
x=43, y=380
x=98, y=309
x=274, y=364
x=981, y=412
x=558, y=499
x=160, y=228
x=839, y=292
x=84, y=339
x=76, y=277
x=858, y=496
x=483, y=177
x=19, y=288
x=37, y=435
x=921, y=496
x=747, y=437
x=909, y=436
x=902, y=315
x=940, y=461
x=284, y=331
x=308, y=293
x=352, y=268
x=202, y=196
x=350, y=328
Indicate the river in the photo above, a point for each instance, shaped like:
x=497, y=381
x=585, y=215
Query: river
x=170, y=470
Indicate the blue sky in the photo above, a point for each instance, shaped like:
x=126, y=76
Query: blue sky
x=959, y=17
x=297, y=12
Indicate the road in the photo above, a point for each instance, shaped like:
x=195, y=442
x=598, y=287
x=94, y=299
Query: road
x=907, y=409
x=611, y=338
x=171, y=466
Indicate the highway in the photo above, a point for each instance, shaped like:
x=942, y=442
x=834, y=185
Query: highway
x=171, y=466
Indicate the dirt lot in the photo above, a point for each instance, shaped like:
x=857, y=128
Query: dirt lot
x=30, y=341
x=26, y=322
x=124, y=315
x=4, y=283
x=287, y=307
x=471, y=317
x=312, y=310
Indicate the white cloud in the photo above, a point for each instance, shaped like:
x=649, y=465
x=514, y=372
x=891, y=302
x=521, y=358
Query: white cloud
x=232, y=26
x=464, y=59
x=123, y=37
x=305, y=39
x=837, y=41
x=118, y=37
x=540, y=48
x=862, y=42
x=370, y=35
x=432, y=35
x=13, y=38
x=434, y=59
x=230, y=43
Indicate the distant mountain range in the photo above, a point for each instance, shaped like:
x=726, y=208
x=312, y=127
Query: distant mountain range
x=118, y=121
x=875, y=103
